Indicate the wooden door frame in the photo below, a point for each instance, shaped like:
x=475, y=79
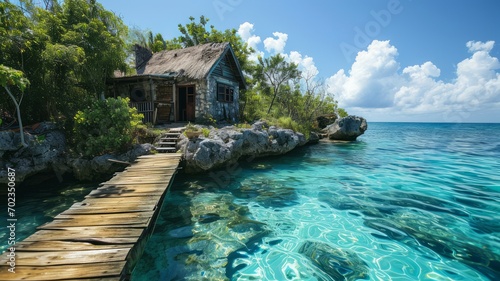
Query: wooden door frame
x=177, y=106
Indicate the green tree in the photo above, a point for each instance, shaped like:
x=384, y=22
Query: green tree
x=66, y=49
x=147, y=39
x=196, y=33
x=12, y=77
x=274, y=75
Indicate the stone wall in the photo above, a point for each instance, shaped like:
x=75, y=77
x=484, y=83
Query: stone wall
x=223, y=110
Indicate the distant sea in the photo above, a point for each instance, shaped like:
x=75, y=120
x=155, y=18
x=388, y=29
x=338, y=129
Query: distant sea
x=407, y=201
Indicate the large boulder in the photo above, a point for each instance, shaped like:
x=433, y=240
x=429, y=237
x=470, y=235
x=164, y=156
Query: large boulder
x=347, y=128
x=38, y=157
x=100, y=166
x=227, y=145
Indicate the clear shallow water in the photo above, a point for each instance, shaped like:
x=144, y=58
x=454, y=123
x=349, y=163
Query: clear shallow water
x=404, y=202
x=36, y=205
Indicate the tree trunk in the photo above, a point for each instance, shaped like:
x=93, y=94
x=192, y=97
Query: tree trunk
x=18, y=116
x=274, y=97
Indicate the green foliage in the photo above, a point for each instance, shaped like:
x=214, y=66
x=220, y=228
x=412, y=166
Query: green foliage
x=191, y=128
x=243, y=126
x=273, y=74
x=197, y=33
x=205, y=132
x=206, y=119
x=342, y=113
x=288, y=123
x=146, y=134
x=12, y=77
x=108, y=126
x=67, y=49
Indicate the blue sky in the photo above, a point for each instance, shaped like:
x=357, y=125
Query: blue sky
x=387, y=60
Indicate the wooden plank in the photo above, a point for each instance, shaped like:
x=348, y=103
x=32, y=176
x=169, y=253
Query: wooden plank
x=46, y=233
x=156, y=171
x=145, y=173
x=132, y=188
x=133, y=216
x=95, y=279
x=117, y=194
x=137, y=219
x=146, y=186
x=138, y=180
x=146, y=169
x=67, y=258
x=149, y=173
x=153, y=156
x=152, y=166
x=124, y=192
x=62, y=272
x=92, y=240
x=164, y=179
x=122, y=201
x=110, y=209
x=47, y=246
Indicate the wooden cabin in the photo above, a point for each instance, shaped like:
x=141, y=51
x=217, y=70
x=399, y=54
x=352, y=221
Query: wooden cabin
x=190, y=84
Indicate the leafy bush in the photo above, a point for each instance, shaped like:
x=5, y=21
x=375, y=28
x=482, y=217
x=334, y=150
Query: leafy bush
x=243, y=126
x=206, y=119
x=288, y=123
x=107, y=126
x=205, y=132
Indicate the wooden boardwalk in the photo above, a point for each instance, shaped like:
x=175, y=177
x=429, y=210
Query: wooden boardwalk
x=102, y=237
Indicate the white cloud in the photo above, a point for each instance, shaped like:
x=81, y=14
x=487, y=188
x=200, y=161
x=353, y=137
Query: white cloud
x=305, y=63
x=246, y=32
x=374, y=82
x=276, y=45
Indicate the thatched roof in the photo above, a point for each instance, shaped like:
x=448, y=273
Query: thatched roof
x=193, y=62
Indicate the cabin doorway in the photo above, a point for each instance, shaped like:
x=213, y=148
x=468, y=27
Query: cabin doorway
x=186, y=98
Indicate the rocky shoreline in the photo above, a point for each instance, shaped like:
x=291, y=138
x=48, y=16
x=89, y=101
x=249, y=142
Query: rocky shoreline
x=227, y=145
x=46, y=156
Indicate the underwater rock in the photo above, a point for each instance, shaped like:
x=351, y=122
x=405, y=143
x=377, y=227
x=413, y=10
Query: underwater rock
x=347, y=128
x=218, y=228
x=338, y=263
x=208, y=218
x=410, y=226
x=267, y=192
x=182, y=232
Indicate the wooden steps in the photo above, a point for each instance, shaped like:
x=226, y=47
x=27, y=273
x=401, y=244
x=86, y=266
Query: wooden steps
x=168, y=141
x=102, y=237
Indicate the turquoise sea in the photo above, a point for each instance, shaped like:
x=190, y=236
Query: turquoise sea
x=407, y=201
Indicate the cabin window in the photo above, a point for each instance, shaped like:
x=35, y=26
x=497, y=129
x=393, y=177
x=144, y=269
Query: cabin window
x=225, y=93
